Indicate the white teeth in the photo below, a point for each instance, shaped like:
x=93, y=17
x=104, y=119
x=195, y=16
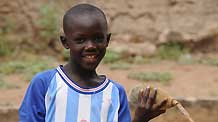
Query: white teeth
x=91, y=56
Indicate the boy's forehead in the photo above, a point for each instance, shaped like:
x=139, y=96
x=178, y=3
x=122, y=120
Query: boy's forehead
x=88, y=21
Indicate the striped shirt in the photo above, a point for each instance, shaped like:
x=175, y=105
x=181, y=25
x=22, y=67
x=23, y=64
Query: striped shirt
x=53, y=97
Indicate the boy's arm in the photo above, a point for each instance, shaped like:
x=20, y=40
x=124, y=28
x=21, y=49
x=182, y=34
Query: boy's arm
x=124, y=111
x=145, y=112
x=32, y=108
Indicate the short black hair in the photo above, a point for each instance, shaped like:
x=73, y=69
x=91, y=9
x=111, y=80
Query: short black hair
x=83, y=9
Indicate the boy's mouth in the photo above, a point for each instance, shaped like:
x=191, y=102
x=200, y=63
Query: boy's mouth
x=90, y=58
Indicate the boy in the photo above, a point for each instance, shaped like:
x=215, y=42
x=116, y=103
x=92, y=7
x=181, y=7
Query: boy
x=75, y=92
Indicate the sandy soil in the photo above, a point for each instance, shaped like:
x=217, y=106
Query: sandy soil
x=198, y=81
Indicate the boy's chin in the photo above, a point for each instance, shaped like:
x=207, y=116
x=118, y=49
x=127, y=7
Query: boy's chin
x=90, y=67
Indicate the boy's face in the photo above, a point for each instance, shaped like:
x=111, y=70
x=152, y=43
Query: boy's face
x=87, y=40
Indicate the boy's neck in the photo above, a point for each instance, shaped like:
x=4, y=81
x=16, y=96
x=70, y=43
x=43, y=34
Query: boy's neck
x=83, y=73
x=81, y=76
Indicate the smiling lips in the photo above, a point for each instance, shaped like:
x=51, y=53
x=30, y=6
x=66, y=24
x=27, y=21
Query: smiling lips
x=91, y=58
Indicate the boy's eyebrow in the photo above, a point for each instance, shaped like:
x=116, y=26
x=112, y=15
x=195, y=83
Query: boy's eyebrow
x=94, y=33
x=99, y=33
x=77, y=34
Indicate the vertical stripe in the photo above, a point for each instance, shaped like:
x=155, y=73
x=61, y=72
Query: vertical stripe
x=61, y=100
x=47, y=100
x=50, y=101
x=96, y=104
x=84, y=108
x=116, y=113
x=72, y=106
x=106, y=102
x=113, y=110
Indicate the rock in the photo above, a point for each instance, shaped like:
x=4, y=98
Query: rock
x=169, y=35
x=134, y=49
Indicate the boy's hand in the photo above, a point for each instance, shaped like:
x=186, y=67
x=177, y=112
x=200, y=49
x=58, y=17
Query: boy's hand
x=145, y=110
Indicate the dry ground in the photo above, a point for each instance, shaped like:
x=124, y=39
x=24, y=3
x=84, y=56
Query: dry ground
x=195, y=80
x=192, y=81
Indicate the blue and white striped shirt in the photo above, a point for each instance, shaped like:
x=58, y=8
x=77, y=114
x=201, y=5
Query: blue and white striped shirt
x=53, y=97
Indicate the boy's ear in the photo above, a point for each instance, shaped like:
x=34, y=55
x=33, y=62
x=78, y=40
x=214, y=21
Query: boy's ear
x=108, y=38
x=64, y=42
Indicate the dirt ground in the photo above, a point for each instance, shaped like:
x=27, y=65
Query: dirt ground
x=197, y=81
x=188, y=81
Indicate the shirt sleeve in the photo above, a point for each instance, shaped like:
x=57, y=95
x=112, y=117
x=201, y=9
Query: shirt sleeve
x=32, y=108
x=124, y=111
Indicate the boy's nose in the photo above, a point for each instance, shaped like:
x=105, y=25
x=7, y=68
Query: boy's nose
x=90, y=45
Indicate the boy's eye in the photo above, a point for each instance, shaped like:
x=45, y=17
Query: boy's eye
x=79, y=40
x=98, y=39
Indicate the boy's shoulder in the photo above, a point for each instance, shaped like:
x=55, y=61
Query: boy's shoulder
x=119, y=86
x=44, y=78
x=40, y=82
x=46, y=74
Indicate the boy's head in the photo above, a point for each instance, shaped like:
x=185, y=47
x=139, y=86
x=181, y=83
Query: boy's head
x=86, y=35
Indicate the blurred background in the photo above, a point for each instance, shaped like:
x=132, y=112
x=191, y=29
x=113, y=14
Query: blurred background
x=169, y=44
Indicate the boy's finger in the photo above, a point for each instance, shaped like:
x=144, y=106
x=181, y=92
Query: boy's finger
x=163, y=103
x=140, y=94
x=146, y=94
x=151, y=99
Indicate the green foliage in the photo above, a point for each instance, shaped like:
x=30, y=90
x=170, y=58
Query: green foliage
x=4, y=46
x=111, y=57
x=137, y=59
x=66, y=55
x=171, y=51
x=118, y=60
x=168, y=51
x=28, y=67
x=151, y=76
x=12, y=67
x=206, y=61
x=36, y=68
x=4, y=85
x=209, y=61
x=8, y=26
x=120, y=65
x=48, y=22
x=187, y=59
